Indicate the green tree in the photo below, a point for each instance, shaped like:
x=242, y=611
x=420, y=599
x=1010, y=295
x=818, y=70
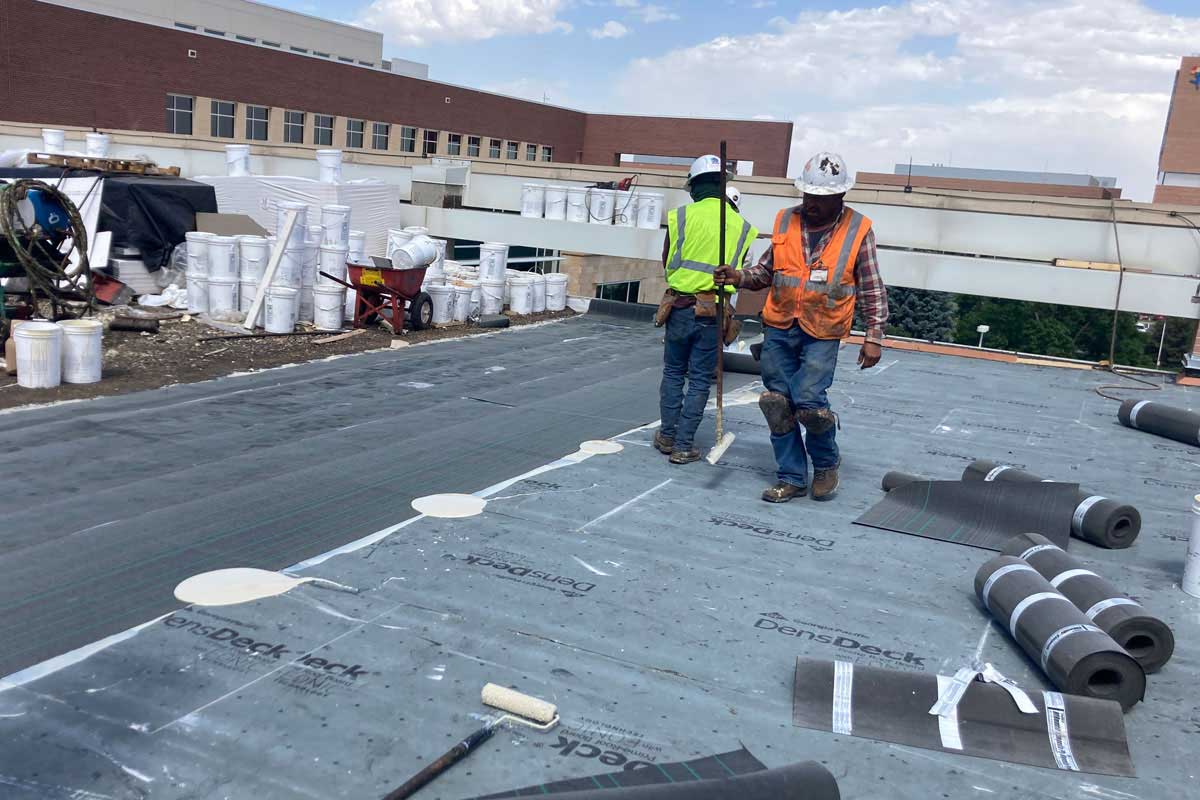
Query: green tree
x=921, y=314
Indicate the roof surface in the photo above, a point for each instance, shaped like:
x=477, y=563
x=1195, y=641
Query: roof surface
x=627, y=591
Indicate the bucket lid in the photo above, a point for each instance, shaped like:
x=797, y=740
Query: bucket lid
x=193, y=236
x=521, y=280
x=251, y=239
x=334, y=248
x=358, y=234
x=222, y=279
x=335, y=206
x=555, y=277
x=415, y=229
x=86, y=326
x=282, y=291
x=323, y=289
x=290, y=204
x=328, y=152
x=223, y=240
x=438, y=288
x=38, y=328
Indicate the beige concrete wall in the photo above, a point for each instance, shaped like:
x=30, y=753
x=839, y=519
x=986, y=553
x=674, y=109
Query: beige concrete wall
x=584, y=272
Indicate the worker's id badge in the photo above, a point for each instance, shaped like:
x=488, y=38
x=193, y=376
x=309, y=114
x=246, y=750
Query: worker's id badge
x=819, y=276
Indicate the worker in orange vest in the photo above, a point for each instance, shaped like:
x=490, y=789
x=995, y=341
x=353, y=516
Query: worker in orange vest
x=821, y=263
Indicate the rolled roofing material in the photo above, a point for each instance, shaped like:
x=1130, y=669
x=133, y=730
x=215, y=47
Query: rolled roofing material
x=1144, y=636
x=805, y=781
x=894, y=479
x=975, y=513
x=1069, y=733
x=1161, y=420
x=1076, y=655
x=1097, y=519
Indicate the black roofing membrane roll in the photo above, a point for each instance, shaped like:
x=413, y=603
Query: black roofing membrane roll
x=895, y=479
x=1143, y=635
x=1075, y=654
x=1097, y=519
x=1161, y=420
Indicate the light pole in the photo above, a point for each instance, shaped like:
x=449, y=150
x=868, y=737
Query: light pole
x=981, y=330
x=1162, y=338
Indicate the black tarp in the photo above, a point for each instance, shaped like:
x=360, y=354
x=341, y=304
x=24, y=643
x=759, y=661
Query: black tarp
x=150, y=213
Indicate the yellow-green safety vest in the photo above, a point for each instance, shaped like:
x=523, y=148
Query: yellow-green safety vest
x=692, y=231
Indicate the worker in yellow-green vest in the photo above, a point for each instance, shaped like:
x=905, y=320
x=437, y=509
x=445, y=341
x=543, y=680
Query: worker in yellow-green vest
x=688, y=309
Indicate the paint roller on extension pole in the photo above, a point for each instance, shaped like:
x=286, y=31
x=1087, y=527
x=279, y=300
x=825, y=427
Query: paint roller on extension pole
x=723, y=439
x=519, y=708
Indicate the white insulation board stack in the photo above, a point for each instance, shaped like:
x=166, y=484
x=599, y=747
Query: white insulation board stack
x=374, y=205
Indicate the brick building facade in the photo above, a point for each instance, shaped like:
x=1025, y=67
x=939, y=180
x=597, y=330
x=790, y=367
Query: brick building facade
x=61, y=66
x=1179, y=157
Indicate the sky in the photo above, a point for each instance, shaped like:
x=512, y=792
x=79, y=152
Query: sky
x=1059, y=85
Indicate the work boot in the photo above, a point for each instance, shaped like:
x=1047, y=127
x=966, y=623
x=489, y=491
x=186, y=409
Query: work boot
x=685, y=456
x=663, y=444
x=782, y=492
x=825, y=483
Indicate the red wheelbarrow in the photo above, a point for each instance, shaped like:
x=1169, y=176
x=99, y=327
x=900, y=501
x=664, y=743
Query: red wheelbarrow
x=383, y=290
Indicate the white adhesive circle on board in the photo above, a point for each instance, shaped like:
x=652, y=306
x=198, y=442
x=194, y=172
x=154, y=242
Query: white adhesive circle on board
x=450, y=506
x=601, y=447
x=226, y=587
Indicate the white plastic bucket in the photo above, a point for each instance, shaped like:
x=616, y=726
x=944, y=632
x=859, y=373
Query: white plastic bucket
x=476, y=296
x=533, y=200
x=650, y=210
x=625, y=209
x=197, y=252
x=329, y=303
x=397, y=238
x=556, y=202
x=298, y=233
x=539, y=292
x=335, y=224
x=82, y=350
x=222, y=257
x=1191, y=565
x=357, y=243
x=556, y=291
x=247, y=291
x=437, y=269
x=420, y=251
x=39, y=354
x=520, y=299
x=222, y=294
x=197, y=294
x=95, y=145
x=600, y=206
x=279, y=315
x=351, y=304
x=252, y=257
x=493, y=260
x=491, y=296
x=305, y=304
x=333, y=261
x=237, y=160
x=311, y=259
x=330, y=164
x=442, y=296
x=577, y=204
x=416, y=230
x=291, y=268
x=54, y=141
x=461, y=308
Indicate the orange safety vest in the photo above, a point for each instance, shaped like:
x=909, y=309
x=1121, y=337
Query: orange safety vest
x=824, y=309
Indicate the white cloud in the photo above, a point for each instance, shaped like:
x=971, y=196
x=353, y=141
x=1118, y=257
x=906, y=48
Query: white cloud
x=609, y=30
x=420, y=22
x=1021, y=85
x=647, y=13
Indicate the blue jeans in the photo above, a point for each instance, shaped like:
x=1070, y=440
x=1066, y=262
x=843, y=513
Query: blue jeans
x=801, y=368
x=690, y=352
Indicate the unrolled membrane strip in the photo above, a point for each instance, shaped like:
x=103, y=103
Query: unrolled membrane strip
x=1066, y=732
x=1161, y=420
x=1074, y=653
x=1143, y=635
x=1097, y=519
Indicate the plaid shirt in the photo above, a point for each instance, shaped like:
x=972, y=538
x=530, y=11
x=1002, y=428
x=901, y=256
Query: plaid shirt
x=872, y=294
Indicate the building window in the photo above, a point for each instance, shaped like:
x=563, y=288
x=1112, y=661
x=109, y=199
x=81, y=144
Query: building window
x=429, y=143
x=271, y=44
x=319, y=53
x=408, y=139
x=249, y=39
x=179, y=114
x=513, y=149
x=547, y=153
x=323, y=130
x=624, y=292
x=493, y=148
x=295, y=49
x=185, y=26
x=473, y=143
x=379, y=135
x=221, y=118
x=256, y=123
x=367, y=63
x=454, y=144
x=354, y=133
x=213, y=32
x=293, y=127
x=531, y=152
x=347, y=60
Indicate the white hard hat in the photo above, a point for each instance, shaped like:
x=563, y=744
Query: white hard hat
x=825, y=173
x=734, y=195
x=704, y=165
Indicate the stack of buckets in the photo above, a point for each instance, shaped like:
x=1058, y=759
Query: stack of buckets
x=50, y=353
x=197, y=271
x=629, y=209
x=329, y=296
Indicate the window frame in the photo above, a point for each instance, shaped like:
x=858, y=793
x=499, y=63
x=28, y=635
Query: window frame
x=531, y=152
x=474, y=143
x=635, y=285
x=253, y=121
x=454, y=144
x=376, y=135
x=361, y=132
x=408, y=139
x=429, y=143
x=547, y=154
x=293, y=128
x=174, y=113
x=318, y=127
x=495, y=148
x=512, y=151
x=217, y=119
